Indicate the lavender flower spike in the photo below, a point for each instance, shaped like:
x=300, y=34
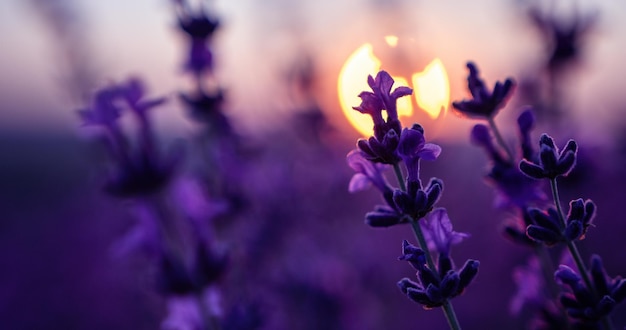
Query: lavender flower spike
x=552, y=163
x=580, y=303
x=439, y=233
x=435, y=286
x=484, y=104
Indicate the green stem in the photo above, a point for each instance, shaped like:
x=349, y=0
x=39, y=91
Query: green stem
x=573, y=249
x=496, y=132
x=399, y=176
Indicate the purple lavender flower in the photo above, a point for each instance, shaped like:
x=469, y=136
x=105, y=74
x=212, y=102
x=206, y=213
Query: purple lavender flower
x=105, y=109
x=199, y=27
x=512, y=186
x=547, y=227
x=438, y=231
x=553, y=162
x=589, y=305
x=417, y=203
x=412, y=148
x=367, y=173
x=484, y=104
x=140, y=170
x=530, y=286
x=381, y=147
x=434, y=286
x=563, y=38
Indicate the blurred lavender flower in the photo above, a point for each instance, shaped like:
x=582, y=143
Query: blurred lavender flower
x=514, y=189
x=589, y=305
x=381, y=147
x=553, y=162
x=530, y=286
x=434, y=286
x=199, y=28
x=439, y=233
x=137, y=171
x=484, y=104
x=564, y=39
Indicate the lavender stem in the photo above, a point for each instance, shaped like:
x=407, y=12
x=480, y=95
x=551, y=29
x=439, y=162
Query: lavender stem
x=496, y=132
x=573, y=249
x=448, y=309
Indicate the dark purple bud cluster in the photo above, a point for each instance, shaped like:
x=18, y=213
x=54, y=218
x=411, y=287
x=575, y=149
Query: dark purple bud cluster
x=547, y=227
x=589, y=305
x=484, y=104
x=417, y=202
x=552, y=161
x=435, y=286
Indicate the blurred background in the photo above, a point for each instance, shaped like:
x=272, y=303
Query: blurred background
x=297, y=240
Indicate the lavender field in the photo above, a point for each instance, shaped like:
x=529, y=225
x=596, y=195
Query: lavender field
x=182, y=164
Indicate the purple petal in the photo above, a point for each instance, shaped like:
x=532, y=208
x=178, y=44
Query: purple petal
x=384, y=82
x=401, y=91
x=430, y=151
x=359, y=182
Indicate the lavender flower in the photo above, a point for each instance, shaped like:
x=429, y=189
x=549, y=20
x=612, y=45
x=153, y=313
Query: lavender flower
x=530, y=286
x=553, y=162
x=547, y=226
x=367, y=173
x=434, y=286
x=563, y=38
x=381, y=147
x=140, y=170
x=417, y=203
x=484, y=104
x=512, y=186
x=413, y=148
x=439, y=233
x=199, y=27
x=589, y=305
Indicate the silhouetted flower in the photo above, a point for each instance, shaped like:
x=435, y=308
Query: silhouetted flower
x=199, y=27
x=552, y=162
x=484, y=104
x=435, y=286
x=564, y=39
x=381, y=147
x=590, y=304
x=105, y=108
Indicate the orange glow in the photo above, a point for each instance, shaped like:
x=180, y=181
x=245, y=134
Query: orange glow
x=431, y=87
